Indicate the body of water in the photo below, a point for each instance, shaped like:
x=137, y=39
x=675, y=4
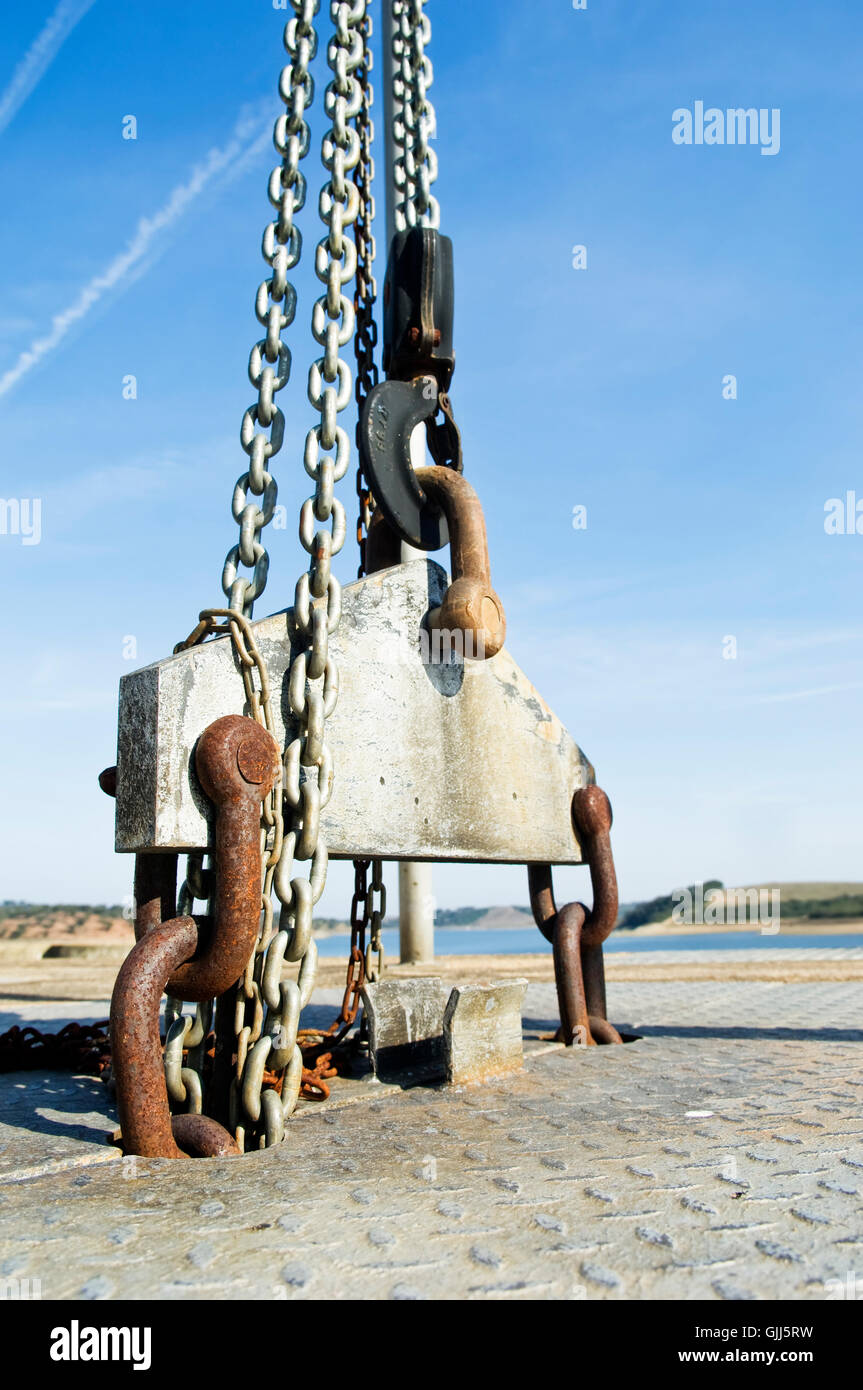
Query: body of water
x=450, y=941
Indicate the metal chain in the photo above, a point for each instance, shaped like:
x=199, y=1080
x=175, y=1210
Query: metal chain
x=366, y=338
x=278, y=1030
x=268, y=371
x=313, y=679
x=365, y=342
x=268, y=1072
x=275, y=307
x=414, y=120
x=377, y=911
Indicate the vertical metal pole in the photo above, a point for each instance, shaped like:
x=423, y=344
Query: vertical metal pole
x=416, y=896
x=416, y=913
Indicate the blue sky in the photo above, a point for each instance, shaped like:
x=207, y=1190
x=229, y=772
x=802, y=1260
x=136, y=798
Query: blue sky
x=599, y=387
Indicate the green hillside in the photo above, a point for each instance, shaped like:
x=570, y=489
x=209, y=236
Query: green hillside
x=812, y=902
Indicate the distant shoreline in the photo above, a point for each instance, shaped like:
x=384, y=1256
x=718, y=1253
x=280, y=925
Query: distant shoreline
x=793, y=926
x=796, y=926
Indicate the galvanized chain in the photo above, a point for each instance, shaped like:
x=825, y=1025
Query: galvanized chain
x=275, y=307
x=414, y=121
x=269, y=371
x=365, y=342
x=313, y=681
x=366, y=338
x=268, y=1071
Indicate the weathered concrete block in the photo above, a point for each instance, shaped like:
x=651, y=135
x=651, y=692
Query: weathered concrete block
x=482, y=1031
x=407, y=734
x=406, y=1028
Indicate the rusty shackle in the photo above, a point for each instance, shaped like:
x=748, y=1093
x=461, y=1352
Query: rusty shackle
x=470, y=605
x=577, y=933
x=237, y=763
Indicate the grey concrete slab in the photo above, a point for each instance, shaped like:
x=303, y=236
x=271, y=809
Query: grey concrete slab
x=405, y=1020
x=397, y=709
x=50, y=1121
x=483, y=1031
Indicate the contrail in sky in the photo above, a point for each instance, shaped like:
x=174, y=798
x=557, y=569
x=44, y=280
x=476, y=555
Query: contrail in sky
x=125, y=267
x=40, y=55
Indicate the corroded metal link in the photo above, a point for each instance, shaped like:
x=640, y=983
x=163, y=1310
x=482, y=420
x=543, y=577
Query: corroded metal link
x=578, y=933
x=237, y=763
x=200, y=1137
x=591, y=816
x=142, y=1093
x=155, y=891
x=470, y=605
x=574, y=1015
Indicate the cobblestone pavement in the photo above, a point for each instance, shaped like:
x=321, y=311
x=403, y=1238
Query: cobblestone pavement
x=720, y=1157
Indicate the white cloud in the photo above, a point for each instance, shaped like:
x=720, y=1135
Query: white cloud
x=809, y=694
x=40, y=55
x=246, y=142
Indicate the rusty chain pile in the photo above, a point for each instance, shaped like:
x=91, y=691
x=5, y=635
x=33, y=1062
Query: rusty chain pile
x=82, y=1048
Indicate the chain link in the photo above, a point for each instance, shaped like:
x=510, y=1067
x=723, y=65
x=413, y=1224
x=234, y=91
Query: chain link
x=365, y=343
x=313, y=681
x=269, y=371
x=377, y=911
x=366, y=338
x=263, y=428
x=414, y=120
x=268, y=1059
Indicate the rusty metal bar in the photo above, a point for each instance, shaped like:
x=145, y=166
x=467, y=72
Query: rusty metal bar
x=136, y=1049
x=155, y=891
x=237, y=763
x=578, y=933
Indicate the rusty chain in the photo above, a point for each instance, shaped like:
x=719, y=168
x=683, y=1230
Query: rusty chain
x=81, y=1048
